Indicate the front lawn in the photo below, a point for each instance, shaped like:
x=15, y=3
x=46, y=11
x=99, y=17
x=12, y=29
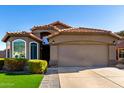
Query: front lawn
x=10, y=80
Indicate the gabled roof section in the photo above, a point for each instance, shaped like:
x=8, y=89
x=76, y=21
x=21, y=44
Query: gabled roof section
x=51, y=26
x=20, y=34
x=85, y=31
x=45, y=27
x=60, y=23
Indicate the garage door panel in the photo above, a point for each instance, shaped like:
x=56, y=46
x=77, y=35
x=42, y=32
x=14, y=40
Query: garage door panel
x=82, y=55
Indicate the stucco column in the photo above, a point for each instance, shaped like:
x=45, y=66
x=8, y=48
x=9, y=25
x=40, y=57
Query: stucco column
x=112, y=54
x=27, y=50
x=53, y=55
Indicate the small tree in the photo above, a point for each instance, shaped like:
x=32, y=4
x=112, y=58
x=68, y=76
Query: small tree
x=121, y=33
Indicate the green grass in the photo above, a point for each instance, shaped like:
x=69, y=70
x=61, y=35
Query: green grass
x=10, y=80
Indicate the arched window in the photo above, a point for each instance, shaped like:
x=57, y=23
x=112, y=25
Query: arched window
x=33, y=50
x=19, y=48
x=8, y=49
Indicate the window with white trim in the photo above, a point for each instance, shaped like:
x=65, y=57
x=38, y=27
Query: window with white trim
x=19, y=48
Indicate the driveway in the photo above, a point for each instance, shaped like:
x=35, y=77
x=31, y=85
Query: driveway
x=81, y=77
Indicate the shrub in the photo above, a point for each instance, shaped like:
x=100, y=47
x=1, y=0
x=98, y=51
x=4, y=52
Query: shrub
x=1, y=63
x=37, y=66
x=14, y=64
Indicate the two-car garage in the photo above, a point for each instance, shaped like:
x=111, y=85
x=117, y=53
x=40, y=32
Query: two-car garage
x=83, y=47
x=83, y=55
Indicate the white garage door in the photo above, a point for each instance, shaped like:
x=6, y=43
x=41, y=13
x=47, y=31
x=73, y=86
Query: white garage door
x=83, y=55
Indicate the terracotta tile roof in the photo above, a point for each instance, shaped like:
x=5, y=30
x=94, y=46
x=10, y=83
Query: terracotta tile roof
x=58, y=22
x=85, y=31
x=50, y=26
x=20, y=34
x=45, y=27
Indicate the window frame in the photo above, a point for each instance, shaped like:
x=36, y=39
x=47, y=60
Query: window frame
x=7, y=49
x=13, y=46
x=30, y=49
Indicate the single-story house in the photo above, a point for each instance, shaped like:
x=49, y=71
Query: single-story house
x=67, y=45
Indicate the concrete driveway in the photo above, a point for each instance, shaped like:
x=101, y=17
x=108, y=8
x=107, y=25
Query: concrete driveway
x=80, y=77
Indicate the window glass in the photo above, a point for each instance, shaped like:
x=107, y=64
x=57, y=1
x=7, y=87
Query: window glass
x=33, y=50
x=19, y=49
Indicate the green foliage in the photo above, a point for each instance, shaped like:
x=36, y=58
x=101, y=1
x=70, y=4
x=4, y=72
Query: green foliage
x=37, y=66
x=14, y=64
x=1, y=63
x=121, y=33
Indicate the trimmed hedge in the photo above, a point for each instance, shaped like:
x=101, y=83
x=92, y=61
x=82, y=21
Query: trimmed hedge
x=1, y=63
x=14, y=64
x=37, y=66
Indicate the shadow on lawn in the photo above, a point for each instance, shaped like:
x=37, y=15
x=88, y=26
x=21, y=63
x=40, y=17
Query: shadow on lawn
x=15, y=72
x=9, y=73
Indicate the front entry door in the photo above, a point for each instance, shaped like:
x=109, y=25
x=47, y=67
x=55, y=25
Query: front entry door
x=46, y=52
x=34, y=51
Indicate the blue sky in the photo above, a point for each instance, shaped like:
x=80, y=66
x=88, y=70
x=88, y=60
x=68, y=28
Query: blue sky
x=18, y=18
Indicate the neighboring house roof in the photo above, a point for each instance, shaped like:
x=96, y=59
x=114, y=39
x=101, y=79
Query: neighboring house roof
x=84, y=31
x=51, y=26
x=20, y=34
x=120, y=43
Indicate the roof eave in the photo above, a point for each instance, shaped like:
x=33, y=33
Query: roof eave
x=106, y=33
x=4, y=39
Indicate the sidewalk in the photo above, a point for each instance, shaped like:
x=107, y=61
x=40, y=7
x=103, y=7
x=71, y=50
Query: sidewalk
x=51, y=79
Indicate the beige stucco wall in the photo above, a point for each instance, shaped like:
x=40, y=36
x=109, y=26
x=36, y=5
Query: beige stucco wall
x=99, y=38
x=53, y=55
x=83, y=40
x=28, y=40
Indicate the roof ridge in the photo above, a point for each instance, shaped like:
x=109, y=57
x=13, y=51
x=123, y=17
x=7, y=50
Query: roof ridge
x=93, y=29
x=59, y=22
x=67, y=29
x=35, y=27
x=50, y=24
x=18, y=32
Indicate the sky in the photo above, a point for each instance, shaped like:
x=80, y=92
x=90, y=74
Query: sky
x=23, y=18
